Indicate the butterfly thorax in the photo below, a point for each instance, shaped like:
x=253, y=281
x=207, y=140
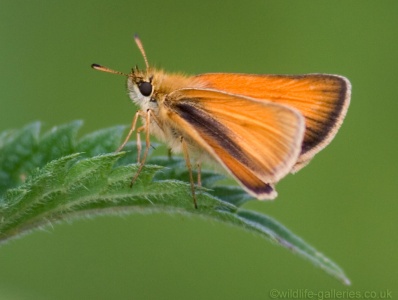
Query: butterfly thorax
x=163, y=85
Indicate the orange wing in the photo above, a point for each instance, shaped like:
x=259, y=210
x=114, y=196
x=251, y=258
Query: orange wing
x=258, y=142
x=322, y=99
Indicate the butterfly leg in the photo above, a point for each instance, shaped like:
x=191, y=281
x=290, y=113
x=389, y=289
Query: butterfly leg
x=169, y=153
x=132, y=128
x=189, y=166
x=147, y=144
x=199, y=165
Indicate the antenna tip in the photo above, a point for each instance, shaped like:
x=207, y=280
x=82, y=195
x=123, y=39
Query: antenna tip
x=95, y=66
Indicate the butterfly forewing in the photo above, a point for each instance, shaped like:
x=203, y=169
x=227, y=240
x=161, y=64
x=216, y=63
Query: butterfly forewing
x=258, y=142
x=322, y=99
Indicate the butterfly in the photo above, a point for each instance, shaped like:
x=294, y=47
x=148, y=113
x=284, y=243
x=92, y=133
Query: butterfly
x=259, y=128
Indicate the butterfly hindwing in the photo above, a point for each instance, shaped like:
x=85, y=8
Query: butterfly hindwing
x=321, y=98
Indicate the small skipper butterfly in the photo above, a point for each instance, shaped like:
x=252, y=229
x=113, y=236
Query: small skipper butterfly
x=257, y=127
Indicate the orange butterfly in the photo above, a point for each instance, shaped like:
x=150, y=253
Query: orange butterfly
x=258, y=127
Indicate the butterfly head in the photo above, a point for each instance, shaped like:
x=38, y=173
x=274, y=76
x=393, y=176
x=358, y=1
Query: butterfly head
x=139, y=83
x=140, y=86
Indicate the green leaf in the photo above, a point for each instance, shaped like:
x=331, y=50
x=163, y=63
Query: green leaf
x=56, y=177
x=270, y=228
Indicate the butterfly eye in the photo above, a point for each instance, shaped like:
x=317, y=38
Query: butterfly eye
x=145, y=88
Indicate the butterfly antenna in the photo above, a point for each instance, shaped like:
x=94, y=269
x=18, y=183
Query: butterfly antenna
x=105, y=69
x=141, y=47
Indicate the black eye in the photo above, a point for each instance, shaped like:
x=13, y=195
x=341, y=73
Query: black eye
x=145, y=88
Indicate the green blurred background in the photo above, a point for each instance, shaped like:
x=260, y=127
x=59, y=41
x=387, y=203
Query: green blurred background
x=344, y=203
